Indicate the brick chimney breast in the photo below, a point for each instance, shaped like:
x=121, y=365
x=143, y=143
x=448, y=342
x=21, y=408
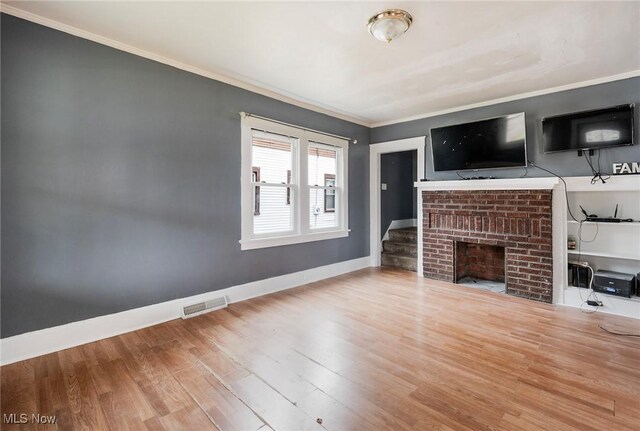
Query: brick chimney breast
x=518, y=220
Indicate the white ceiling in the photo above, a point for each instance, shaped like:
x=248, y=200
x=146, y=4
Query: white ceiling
x=455, y=54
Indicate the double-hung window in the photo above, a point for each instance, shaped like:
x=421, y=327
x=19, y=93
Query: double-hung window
x=294, y=185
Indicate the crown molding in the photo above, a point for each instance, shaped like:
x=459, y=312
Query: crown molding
x=626, y=75
x=254, y=88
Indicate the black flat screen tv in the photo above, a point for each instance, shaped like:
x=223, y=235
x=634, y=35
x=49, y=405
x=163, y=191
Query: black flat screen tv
x=486, y=144
x=588, y=130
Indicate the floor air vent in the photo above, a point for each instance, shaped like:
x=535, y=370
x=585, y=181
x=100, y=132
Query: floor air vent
x=203, y=307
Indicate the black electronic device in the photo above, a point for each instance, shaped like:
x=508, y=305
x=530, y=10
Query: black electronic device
x=614, y=283
x=596, y=218
x=480, y=178
x=580, y=276
x=485, y=144
x=586, y=214
x=638, y=284
x=589, y=130
x=607, y=219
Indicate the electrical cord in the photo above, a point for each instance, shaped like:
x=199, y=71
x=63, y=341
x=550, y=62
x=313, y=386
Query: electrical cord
x=526, y=171
x=595, y=235
x=581, y=239
x=623, y=334
x=599, y=155
x=598, y=175
x=566, y=194
x=591, y=296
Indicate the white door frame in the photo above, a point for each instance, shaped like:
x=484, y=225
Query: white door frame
x=375, y=150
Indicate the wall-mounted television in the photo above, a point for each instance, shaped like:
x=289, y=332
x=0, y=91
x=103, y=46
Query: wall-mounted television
x=588, y=130
x=492, y=143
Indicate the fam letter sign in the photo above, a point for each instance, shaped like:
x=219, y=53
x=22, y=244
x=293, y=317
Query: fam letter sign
x=626, y=168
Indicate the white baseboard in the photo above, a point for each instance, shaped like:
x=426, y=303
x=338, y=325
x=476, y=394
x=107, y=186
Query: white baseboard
x=36, y=343
x=399, y=224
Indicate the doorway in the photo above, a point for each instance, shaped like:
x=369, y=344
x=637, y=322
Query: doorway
x=376, y=151
x=398, y=209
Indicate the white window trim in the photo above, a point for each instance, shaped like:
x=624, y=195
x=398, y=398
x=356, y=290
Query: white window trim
x=300, y=191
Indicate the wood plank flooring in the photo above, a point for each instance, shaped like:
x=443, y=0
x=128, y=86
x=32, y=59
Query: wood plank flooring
x=376, y=349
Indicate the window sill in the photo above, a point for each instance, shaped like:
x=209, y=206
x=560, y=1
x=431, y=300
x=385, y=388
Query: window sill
x=252, y=244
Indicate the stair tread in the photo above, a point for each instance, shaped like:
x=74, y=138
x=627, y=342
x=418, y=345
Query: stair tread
x=403, y=235
x=401, y=244
x=386, y=253
x=411, y=232
x=390, y=241
x=409, y=263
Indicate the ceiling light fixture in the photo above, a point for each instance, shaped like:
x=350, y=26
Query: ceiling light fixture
x=389, y=24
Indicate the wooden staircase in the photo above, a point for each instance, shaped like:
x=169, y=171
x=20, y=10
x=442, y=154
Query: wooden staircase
x=401, y=249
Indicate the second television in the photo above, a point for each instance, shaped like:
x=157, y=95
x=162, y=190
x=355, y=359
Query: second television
x=589, y=130
x=491, y=143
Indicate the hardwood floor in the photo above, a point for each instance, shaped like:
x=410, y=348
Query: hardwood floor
x=372, y=350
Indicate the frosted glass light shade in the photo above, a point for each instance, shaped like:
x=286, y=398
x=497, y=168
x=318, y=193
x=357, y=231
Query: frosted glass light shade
x=389, y=24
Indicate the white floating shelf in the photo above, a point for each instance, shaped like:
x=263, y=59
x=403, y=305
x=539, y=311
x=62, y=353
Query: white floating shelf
x=603, y=254
x=607, y=224
x=617, y=183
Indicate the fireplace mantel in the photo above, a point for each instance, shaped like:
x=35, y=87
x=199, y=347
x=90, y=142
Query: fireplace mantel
x=544, y=183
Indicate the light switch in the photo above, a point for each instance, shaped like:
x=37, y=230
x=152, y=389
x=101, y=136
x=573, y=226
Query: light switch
x=384, y=186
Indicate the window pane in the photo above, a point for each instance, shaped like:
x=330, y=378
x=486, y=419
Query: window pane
x=272, y=157
x=329, y=193
x=272, y=213
x=322, y=161
x=319, y=218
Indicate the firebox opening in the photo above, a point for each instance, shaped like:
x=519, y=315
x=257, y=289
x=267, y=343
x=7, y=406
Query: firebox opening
x=481, y=266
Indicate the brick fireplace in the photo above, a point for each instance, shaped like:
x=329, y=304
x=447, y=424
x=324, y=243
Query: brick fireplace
x=472, y=230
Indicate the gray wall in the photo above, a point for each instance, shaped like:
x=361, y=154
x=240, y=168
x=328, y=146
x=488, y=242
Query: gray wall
x=567, y=164
x=398, y=202
x=121, y=182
